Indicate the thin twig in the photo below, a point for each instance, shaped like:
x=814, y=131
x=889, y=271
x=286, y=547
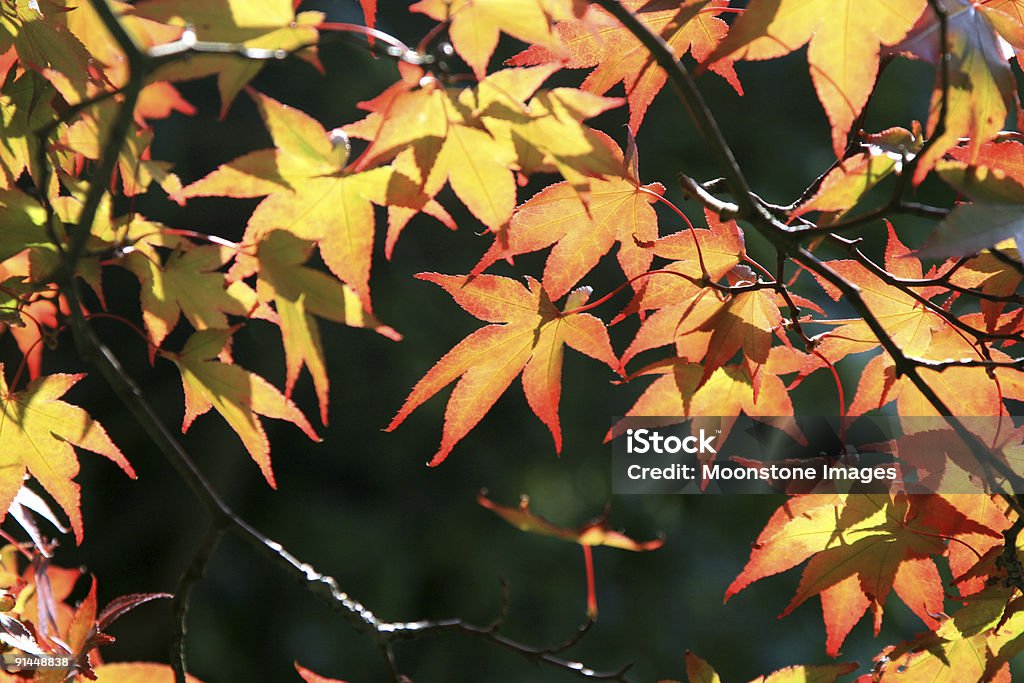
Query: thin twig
x=193, y=574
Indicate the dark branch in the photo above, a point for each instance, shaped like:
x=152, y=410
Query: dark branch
x=193, y=574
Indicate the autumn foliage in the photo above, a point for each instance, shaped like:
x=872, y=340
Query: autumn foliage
x=503, y=152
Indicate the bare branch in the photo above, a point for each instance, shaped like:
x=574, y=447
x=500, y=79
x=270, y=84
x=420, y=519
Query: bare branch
x=193, y=574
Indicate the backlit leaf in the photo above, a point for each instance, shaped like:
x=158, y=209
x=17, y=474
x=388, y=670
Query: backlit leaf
x=619, y=211
x=269, y=24
x=187, y=284
x=326, y=204
x=593, y=533
x=598, y=40
x=982, y=91
x=527, y=336
x=37, y=432
x=238, y=395
x=300, y=293
x=844, y=39
x=476, y=24
x=860, y=548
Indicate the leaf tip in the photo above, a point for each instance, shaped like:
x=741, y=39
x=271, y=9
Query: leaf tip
x=439, y=457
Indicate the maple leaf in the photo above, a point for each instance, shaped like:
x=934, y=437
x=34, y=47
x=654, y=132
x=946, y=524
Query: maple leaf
x=964, y=390
x=43, y=43
x=920, y=333
x=618, y=210
x=238, y=395
x=991, y=276
x=962, y=648
x=85, y=631
x=37, y=433
x=442, y=144
x=136, y=170
x=945, y=462
x=844, y=39
x=552, y=137
x=598, y=40
x=994, y=179
x=681, y=324
x=526, y=336
x=860, y=547
x=412, y=110
x=745, y=322
x=325, y=204
x=593, y=533
x=970, y=574
x=29, y=315
x=720, y=248
x=473, y=138
x=476, y=24
x=299, y=293
x=310, y=677
x=679, y=392
x=138, y=672
x=982, y=90
x=187, y=284
x=266, y=24
x=908, y=322
x=699, y=671
x=846, y=184
x=21, y=112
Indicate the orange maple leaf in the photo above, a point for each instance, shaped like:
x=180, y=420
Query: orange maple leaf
x=680, y=392
x=598, y=40
x=527, y=336
x=860, y=548
x=619, y=210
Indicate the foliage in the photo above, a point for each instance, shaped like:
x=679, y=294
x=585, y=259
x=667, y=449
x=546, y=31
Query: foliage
x=717, y=329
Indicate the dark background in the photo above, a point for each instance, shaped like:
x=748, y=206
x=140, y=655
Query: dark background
x=410, y=541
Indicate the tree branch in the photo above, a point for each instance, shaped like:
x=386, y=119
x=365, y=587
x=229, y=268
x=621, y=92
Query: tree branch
x=193, y=574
